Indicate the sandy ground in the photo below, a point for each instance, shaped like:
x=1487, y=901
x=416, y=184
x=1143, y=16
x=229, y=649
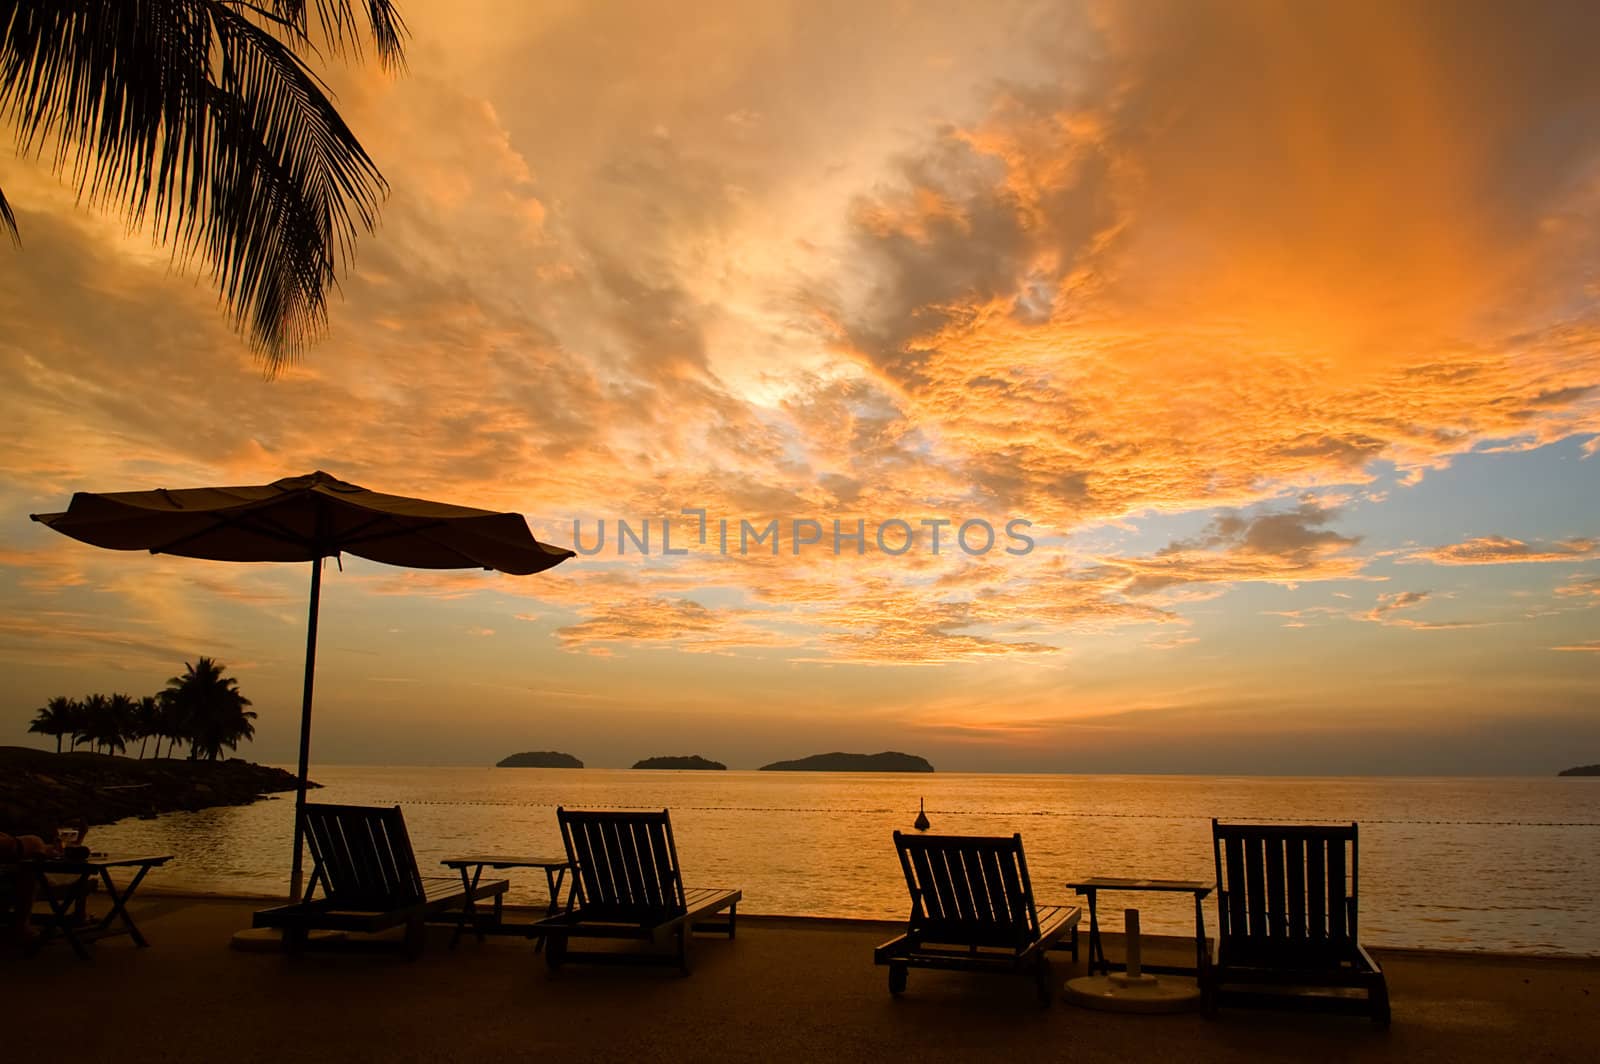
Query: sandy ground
x=784, y=990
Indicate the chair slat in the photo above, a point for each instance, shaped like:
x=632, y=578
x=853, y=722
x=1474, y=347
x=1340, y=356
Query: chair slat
x=1336, y=895
x=581, y=856
x=641, y=862
x=1294, y=858
x=1018, y=897
x=956, y=860
x=1234, y=856
x=1316, y=891
x=621, y=891
x=1255, y=895
x=1277, y=921
x=631, y=887
x=939, y=881
x=923, y=885
x=994, y=888
x=667, y=858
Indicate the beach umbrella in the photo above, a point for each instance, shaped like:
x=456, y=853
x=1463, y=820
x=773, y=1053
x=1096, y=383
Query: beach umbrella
x=300, y=519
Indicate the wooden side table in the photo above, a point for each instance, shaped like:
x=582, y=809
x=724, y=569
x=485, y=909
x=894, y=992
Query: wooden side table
x=76, y=877
x=555, y=871
x=1097, y=953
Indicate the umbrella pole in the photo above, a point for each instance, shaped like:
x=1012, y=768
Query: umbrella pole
x=305, y=727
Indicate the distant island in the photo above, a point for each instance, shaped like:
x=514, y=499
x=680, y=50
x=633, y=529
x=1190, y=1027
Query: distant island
x=693, y=761
x=1582, y=770
x=888, y=761
x=540, y=759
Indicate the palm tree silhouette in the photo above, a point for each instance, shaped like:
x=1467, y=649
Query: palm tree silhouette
x=198, y=117
x=58, y=717
x=168, y=724
x=146, y=723
x=91, y=723
x=113, y=726
x=210, y=709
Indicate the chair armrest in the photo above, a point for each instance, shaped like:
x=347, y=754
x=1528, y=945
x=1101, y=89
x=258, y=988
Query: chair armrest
x=896, y=946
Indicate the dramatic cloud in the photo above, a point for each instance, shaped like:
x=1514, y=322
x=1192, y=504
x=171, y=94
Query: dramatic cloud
x=1499, y=550
x=686, y=624
x=1276, y=547
x=1232, y=301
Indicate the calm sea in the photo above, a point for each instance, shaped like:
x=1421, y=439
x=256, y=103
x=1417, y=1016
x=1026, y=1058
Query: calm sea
x=1486, y=864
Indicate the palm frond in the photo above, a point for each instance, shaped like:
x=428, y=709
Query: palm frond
x=9, y=220
x=198, y=117
x=338, y=25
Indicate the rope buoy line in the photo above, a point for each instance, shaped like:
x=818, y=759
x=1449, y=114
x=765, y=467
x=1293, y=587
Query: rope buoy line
x=1073, y=815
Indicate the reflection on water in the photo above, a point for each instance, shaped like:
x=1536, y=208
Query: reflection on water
x=1493, y=864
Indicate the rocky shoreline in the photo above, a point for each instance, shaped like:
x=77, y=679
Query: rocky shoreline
x=40, y=790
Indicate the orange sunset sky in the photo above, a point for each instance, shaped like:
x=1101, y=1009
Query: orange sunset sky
x=1280, y=322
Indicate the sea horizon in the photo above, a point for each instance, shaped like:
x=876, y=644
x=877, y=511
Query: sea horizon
x=291, y=766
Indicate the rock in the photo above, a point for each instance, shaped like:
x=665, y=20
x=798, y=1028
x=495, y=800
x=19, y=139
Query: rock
x=41, y=790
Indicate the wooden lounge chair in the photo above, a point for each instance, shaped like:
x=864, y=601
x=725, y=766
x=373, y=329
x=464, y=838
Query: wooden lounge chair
x=626, y=884
x=1286, y=909
x=367, y=874
x=972, y=909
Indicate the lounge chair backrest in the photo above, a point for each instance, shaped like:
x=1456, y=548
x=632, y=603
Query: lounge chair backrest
x=362, y=856
x=624, y=864
x=1286, y=890
x=969, y=890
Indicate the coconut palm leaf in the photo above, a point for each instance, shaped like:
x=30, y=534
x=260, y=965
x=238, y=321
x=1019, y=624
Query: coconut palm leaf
x=9, y=220
x=339, y=25
x=198, y=118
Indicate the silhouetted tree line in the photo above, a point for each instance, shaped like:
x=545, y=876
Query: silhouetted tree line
x=202, y=709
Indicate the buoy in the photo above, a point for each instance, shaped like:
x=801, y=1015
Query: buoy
x=921, y=823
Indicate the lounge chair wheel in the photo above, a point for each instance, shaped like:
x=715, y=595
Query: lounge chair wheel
x=1208, y=997
x=897, y=979
x=555, y=951
x=1379, y=997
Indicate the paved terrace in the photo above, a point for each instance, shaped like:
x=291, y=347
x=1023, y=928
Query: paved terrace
x=797, y=990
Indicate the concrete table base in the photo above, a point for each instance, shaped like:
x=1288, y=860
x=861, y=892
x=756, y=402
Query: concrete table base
x=1120, y=992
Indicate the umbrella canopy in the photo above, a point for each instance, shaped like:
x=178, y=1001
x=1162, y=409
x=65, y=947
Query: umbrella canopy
x=301, y=519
